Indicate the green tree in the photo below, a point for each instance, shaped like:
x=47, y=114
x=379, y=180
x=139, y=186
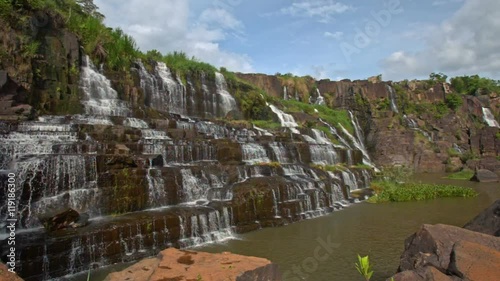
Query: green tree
x=453, y=101
x=438, y=77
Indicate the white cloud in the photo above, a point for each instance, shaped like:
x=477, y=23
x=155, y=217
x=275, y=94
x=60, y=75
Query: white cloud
x=336, y=35
x=323, y=10
x=445, y=2
x=168, y=26
x=467, y=43
x=220, y=17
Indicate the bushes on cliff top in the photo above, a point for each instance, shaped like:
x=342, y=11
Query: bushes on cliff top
x=474, y=85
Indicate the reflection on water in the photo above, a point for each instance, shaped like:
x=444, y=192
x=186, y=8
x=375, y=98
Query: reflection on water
x=326, y=248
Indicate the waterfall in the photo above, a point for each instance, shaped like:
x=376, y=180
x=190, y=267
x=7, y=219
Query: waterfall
x=285, y=93
x=392, y=97
x=275, y=205
x=210, y=129
x=193, y=188
x=254, y=153
x=173, y=88
x=336, y=134
x=203, y=228
x=280, y=153
x=100, y=98
x=285, y=119
x=489, y=118
x=226, y=102
x=412, y=124
x=135, y=123
x=349, y=180
x=358, y=141
x=157, y=196
x=51, y=171
x=262, y=131
x=320, y=100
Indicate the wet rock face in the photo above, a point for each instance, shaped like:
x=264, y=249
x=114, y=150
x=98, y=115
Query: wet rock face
x=173, y=264
x=66, y=219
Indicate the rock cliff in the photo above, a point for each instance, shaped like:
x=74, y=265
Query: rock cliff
x=165, y=158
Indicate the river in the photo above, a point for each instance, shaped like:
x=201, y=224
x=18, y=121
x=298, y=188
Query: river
x=377, y=230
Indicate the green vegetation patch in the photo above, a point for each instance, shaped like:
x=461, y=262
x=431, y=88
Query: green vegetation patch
x=266, y=124
x=402, y=192
x=331, y=116
x=462, y=175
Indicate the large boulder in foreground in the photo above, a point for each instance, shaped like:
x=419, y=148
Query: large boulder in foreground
x=483, y=175
x=432, y=245
x=173, y=264
x=488, y=221
x=445, y=252
x=471, y=261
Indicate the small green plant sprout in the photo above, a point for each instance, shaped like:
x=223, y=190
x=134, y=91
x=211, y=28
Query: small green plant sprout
x=364, y=268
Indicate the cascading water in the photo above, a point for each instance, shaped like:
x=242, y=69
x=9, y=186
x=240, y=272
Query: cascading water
x=172, y=88
x=285, y=93
x=358, y=141
x=157, y=196
x=320, y=100
x=135, y=123
x=489, y=118
x=225, y=101
x=392, y=97
x=51, y=171
x=285, y=119
x=203, y=228
x=100, y=97
x=254, y=153
x=412, y=124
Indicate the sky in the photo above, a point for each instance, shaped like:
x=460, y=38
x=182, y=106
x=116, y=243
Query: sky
x=400, y=39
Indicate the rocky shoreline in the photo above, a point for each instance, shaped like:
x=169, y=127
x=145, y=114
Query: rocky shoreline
x=444, y=252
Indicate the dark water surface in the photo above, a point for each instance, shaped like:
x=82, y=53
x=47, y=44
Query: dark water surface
x=377, y=230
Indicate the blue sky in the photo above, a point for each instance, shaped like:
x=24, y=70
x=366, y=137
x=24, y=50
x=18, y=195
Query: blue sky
x=400, y=39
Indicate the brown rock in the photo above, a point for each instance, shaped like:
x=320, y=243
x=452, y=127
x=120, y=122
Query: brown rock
x=173, y=264
x=483, y=175
x=5, y=275
x=488, y=221
x=471, y=261
x=135, y=272
x=432, y=245
x=427, y=273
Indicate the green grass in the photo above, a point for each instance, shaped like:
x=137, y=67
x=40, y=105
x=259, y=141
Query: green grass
x=462, y=175
x=331, y=116
x=394, y=192
x=266, y=124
